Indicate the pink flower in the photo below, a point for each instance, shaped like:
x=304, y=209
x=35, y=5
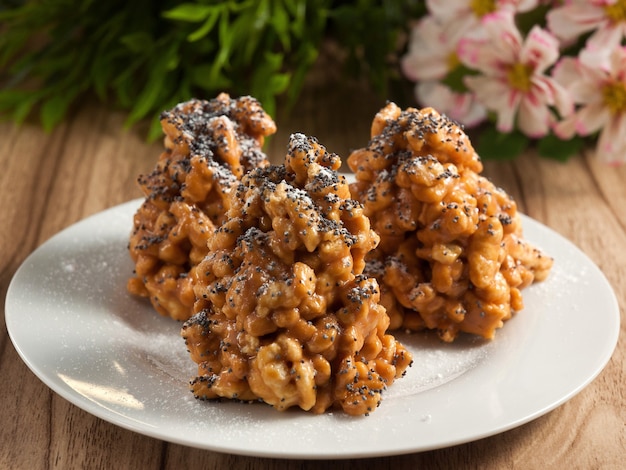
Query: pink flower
x=600, y=92
x=606, y=18
x=513, y=81
x=464, y=15
x=432, y=52
x=431, y=57
x=461, y=107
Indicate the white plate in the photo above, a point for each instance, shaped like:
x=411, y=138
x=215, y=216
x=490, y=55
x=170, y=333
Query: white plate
x=73, y=323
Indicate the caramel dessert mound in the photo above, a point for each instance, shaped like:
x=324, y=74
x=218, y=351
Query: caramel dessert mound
x=451, y=255
x=284, y=314
x=209, y=145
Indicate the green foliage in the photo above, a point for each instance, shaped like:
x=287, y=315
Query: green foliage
x=552, y=147
x=494, y=145
x=535, y=17
x=455, y=77
x=368, y=30
x=145, y=56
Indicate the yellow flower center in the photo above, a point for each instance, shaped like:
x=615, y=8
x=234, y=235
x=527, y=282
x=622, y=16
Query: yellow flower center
x=483, y=7
x=453, y=61
x=614, y=95
x=617, y=11
x=519, y=76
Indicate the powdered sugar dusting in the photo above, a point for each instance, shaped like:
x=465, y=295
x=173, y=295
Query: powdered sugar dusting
x=436, y=363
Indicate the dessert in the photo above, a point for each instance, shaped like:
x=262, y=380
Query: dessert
x=451, y=256
x=209, y=145
x=290, y=281
x=283, y=311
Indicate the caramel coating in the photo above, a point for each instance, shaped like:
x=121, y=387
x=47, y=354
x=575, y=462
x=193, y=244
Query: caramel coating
x=209, y=145
x=451, y=255
x=283, y=312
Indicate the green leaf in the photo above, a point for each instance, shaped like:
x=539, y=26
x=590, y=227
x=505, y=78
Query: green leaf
x=203, y=77
x=280, y=21
x=252, y=26
x=125, y=91
x=206, y=27
x=10, y=46
x=190, y=12
x=496, y=145
x=150, y=96
x=11, y=97
x=100, y=73
x=53, y=110
x=242, y=51
x=298, y=23
x=454, y=79
x=172, y=62
x=279, y=83
x=306, y=57
x=225, y=43
x=155, y=131
x=268, y=81
x=138, y=42
x=23, y=109
x=525, y=21
x=553, y=147
x=146, y=100
x=18, y=103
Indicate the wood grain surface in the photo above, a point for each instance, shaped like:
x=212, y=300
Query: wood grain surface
x=89, y=163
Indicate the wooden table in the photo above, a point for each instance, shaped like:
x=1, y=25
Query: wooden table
x=50, y=181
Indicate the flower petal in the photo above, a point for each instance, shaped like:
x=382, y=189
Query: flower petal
x=478, y=54
x=606, y=38
x=595, y=58
x=611, y=147
x=467, y=110
x=566, y=70
x=431, y=93
x=417, y=68
x=534, y=118
x=565, y=129
x=506, y=115
x=461, y=107
x=430, y=48
x=586, y=92
x=553, y=94
x=617, y=63
x=506, y=40
x=583, y=83
x=570, y=21
x=496, y=96
x=524, y=5
x=592, y=118
x=446, y=9
x=540, y=50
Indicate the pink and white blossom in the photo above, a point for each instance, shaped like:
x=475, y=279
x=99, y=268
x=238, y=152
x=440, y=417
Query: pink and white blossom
x=512, y=80
x=606, y=19
x=466, y=15
x=600, y=93
x=431, y=51
x=431, y=56
x=461, y=107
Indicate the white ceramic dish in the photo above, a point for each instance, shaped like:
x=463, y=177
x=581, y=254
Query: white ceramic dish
x=74, y=325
